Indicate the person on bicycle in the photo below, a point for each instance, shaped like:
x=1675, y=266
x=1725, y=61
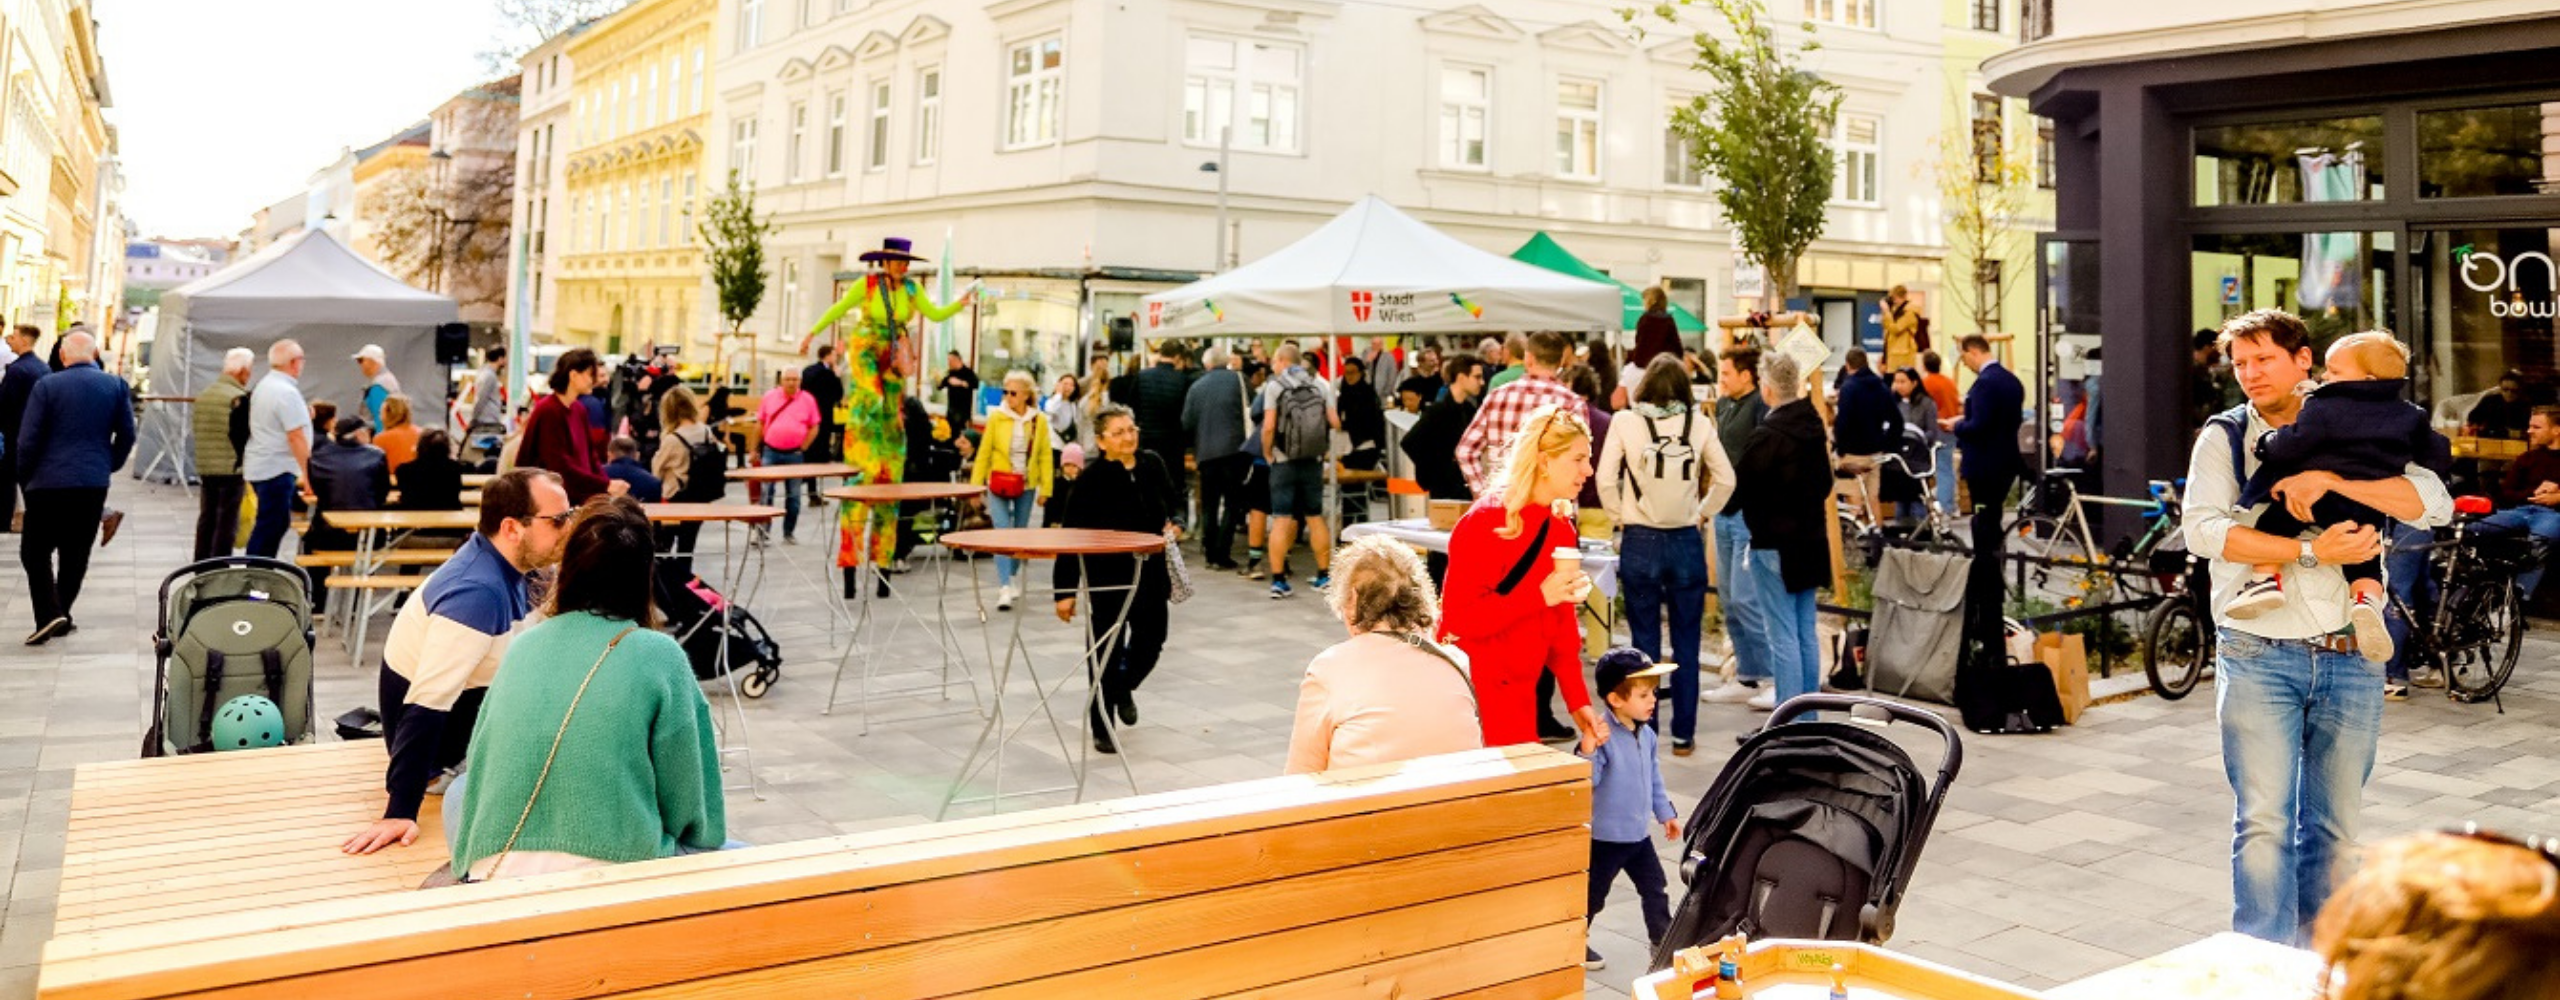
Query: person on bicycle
x=2301, y=712
x=2356, y=425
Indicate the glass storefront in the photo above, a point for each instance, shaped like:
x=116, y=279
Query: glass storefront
x=2290, y=162
x=2338, y=282
x=2486, y=299
x=2488, y=151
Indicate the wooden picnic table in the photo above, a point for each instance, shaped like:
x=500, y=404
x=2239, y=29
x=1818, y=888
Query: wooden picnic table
x=477, y=480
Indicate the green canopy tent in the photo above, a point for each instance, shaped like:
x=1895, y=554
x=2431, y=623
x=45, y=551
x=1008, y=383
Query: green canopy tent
x=1542, y=250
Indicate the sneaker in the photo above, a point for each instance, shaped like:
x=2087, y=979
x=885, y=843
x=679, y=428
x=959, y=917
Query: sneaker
x=2426, y=677
x=2395, y=691
x=2258, y=596
x=1732, y=693
x=1280, y=589
x=2372, y=639
x=1254, y=571
x=1683, y=748
x=1324, y=579
x=1591, y=960
x=1005, y=596
x=790, y=539
x=1765, y=701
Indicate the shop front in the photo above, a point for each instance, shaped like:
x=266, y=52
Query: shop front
x=2406, y=181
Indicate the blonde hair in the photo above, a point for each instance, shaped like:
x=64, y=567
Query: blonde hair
x=2378, y=353
x=678, y=408
x=1017, y=375
x=1550, y=431
x=1379, y=585
x=2440, y=916
x=395, y=411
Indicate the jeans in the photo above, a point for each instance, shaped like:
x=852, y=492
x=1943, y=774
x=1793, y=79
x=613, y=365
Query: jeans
x=2404, y=567
x=2299, y=730
x=1644, y=868
x=1658, y=567
x=1744, y=622
x=218, y=515
x=1795, y=647
x=1944, y=457
x=790, y=489
x=62, y=524
x=1014, y=513
x=275, y=514
x=2533, y=519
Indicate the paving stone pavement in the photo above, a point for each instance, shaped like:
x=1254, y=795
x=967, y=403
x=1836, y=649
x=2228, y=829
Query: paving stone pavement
x=2057, y=856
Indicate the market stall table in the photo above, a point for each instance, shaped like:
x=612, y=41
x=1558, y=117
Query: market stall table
x=741, y=590
x=1033, y=544
x=880, y=634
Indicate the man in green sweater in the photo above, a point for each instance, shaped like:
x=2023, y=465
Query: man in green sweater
x=218, y=454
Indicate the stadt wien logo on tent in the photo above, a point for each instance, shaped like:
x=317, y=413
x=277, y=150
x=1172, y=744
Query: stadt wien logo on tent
x=1360, y=305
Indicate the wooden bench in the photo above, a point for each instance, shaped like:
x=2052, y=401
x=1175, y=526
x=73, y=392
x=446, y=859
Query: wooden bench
x=1454, y=876
x=393, y=557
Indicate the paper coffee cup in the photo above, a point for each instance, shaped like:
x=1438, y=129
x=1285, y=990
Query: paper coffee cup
x=1568, y=557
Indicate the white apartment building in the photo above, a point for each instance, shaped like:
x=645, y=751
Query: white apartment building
x=1061, y=144
x=533, y=284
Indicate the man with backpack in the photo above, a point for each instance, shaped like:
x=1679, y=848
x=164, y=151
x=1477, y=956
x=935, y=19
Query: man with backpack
x=221, y=424
x=1298, y=421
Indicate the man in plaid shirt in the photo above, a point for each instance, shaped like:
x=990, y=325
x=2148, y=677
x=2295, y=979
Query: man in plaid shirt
x=1480, y=452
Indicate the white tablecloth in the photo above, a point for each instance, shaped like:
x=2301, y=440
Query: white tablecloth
x=1599, y=558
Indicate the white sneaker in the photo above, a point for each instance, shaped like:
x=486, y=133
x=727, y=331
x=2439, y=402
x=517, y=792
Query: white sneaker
x=2257, y=596
x=1732, y=693
x=2373, y=639
x=1004, y=598
x=1765, y=701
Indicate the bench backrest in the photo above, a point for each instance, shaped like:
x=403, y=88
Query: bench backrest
x=1460, y=875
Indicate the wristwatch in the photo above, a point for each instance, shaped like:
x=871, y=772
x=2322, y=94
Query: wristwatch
x=2308, y=561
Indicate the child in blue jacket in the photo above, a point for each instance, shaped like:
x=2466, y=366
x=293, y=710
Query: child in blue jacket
x=1627, y=796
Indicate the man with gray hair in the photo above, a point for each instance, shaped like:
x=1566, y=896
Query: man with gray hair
x=279, y=447
x=77, y=432
x=1784, y=473
x=221, y=425
x=1213, y=413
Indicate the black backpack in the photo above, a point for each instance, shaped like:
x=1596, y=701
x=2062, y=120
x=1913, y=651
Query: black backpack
x=706, y=476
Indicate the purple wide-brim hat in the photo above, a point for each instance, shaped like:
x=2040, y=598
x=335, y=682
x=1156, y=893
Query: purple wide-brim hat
x=893, y=248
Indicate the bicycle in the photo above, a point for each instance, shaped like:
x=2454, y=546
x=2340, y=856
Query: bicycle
x=1862, y=536
x=2177, y=636
x=2468, y=622
x=2065, y=560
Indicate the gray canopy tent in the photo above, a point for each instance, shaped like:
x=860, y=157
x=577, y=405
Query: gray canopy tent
x=308, y=287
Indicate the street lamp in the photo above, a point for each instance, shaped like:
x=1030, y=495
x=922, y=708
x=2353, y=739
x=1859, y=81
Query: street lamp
x=436, y=212
x=1219, y=167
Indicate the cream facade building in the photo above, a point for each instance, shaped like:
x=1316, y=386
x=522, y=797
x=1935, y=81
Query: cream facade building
x=541, y=187
x=1060, y=144
x=61, y=234
x=620, y=251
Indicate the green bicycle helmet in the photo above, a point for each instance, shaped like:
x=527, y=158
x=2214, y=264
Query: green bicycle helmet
x=248, y=722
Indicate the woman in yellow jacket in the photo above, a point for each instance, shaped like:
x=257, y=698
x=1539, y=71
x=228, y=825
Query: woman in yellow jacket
x=1901, y=330
x=1013, y=464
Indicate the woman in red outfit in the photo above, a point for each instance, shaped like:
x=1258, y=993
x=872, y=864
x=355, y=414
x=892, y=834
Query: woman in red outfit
x=1507, y=603
x=555, y=433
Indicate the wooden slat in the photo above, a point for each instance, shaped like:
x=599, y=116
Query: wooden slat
x=374, y=582
x=347, y=933
x=1558, y=985
x=386, y=557
x=1521, y=964
x=245, y=883
x=155, y=768
x=110, y=818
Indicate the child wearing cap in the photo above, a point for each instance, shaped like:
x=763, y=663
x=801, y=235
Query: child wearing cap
x=1627, y=795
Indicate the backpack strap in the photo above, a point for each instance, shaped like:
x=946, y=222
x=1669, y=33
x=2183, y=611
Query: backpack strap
x=1510, y=580
x=204, y=709
x=1688, y=421
x=272, y=659
x=2235, y=425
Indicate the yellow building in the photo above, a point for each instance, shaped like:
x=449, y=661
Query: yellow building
x=630, y=267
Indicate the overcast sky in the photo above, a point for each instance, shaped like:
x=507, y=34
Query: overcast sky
x=223, y=108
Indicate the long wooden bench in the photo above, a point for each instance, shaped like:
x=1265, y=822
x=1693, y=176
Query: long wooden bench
x=343, y=559
x=1454, y=876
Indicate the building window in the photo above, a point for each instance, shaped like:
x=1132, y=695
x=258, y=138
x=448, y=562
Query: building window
x=2035, y=20
x=1855, y=140
x=666, y=210
x=640, y=230
x=1847, y=13
x=1679, y=155
x=1578, y=129
x=790, y=297
x=928, y=116
x=2044, y=155
x=2290, y=162
x=1466, y=105
x=1230, y=79
x=1987, y=139
x=631, y=105
x=695, y=107
x=750, y=23
x=688, y=206
x=652, y=120
x=1986, y=15
x=1034, y=78
x=812, y=12
x=797, y=140
x=835, y=133
x=742, y=149
x=877, y=156
x=2487, y=152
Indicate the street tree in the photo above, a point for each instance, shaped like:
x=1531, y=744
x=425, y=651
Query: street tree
x=444, y=227
x=1761, y=132
x=1985, y=184
x=733, y=242
x=529, y=23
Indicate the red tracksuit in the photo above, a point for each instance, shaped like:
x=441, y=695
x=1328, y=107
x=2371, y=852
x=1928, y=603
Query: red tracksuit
x=1509, y=637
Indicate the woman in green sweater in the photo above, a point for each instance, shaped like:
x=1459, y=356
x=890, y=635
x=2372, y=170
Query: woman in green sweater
x=595, y=743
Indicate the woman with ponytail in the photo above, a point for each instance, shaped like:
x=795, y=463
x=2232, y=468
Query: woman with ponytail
x=1509, y=604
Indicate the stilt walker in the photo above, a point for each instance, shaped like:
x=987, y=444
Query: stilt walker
x=879, y=357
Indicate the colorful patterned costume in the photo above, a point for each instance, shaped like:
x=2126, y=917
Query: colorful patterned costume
x=875, y=443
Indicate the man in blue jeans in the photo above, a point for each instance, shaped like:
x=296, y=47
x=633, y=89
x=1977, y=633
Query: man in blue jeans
x=279, y=447
x=1738, y=412
x=2300, y=709
x=2529, y=495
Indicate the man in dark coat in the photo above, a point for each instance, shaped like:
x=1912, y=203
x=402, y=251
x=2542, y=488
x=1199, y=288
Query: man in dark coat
x=959, y=383
x=1866, y=424
x=1161, y=388
x=1987, y=443
x=1433, y=441
x=77, y=431
x=15, y=386
x=822, y=383
x=1784, y=495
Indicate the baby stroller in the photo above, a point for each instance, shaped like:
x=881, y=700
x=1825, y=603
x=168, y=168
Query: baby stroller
x=701, y=620
x=1811, y=831
x=229, y=627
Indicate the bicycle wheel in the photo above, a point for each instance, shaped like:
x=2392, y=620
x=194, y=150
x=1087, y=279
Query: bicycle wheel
x=1856, y=551
x=2174, y=647
x=2492, y=636
x=2062, y=572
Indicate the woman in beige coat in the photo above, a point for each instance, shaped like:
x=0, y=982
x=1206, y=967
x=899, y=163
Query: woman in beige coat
x=1388, y=693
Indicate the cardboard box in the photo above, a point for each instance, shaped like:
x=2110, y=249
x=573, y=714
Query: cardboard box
x=2068, y=657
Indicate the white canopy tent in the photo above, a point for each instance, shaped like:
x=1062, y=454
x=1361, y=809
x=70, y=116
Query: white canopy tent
x=308, y=287
x=1374, y=270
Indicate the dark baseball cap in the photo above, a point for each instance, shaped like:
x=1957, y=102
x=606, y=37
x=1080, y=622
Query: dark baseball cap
x=1625, y=663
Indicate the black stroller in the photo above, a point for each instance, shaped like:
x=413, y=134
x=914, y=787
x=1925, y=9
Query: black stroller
x=701, y=629
x=1811, y=831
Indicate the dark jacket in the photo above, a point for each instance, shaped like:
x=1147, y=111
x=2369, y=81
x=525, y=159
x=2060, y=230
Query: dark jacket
x=1784, y=478
x=1735, y=420
x=349, y=477
x=430, y=484
x=1161, y=388
x=2358, y=430
x=1433, y=446
x=1213, y=414
x=77, y=431
x=1364, y=420
x=1867, y=421
x=820, y=380
x=23, y=371
x=1656, y=333
x=645, y=487
x=1115, y=497
x=2527, y=473
x=955, y=398
x=1987, y=437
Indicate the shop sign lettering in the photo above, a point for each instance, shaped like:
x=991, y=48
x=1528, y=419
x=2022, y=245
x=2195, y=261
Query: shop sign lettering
x=2492, y=274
